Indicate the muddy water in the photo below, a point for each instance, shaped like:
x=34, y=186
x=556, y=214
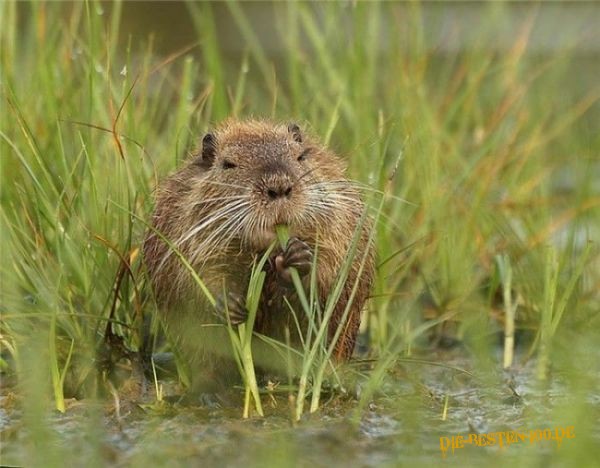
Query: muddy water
x=417, y=411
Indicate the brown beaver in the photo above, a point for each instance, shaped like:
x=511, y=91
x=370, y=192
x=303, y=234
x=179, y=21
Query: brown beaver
x=220, y=211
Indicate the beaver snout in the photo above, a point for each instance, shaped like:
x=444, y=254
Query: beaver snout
x=279, y=191
x=276, y=187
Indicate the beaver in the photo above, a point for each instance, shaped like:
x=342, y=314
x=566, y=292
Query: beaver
x=220, y=211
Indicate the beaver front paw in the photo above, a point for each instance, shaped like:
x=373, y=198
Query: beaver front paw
x=232, y=305
x=297, y=254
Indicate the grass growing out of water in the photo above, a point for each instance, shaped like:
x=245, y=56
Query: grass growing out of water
x=240, y=336
x=501, y=181
x=510, y=308
x=318, y=350
x=242, y=340
x=555, y=303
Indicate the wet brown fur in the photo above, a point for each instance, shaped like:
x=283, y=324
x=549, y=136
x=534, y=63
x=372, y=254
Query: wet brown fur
x=266, y=156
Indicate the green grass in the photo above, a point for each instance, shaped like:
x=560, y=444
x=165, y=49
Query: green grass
x=485, y=163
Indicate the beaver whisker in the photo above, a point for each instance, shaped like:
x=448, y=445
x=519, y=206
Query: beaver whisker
x=215, y=235
x=341, y=196
x=338, y=186
x=335, y=199
x=223, y=184
x=307, y=173
x=263, y=223
x=236, y=219
x=214, y=216
x=219, y=199
x=220, y=237
x=335, y=186
x=316, y=166
x=325, y=205
x=231, y=216
x=235, y=232
x=318, y=195
x=254, y=224
x=360, y=186
x=309, y=217
x=219, y=214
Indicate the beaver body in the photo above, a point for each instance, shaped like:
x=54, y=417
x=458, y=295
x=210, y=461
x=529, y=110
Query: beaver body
x=220, y=211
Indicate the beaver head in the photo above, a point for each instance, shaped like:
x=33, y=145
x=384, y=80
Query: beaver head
x=255, y=175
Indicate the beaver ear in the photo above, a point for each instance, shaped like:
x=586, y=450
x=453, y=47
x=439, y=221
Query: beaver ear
x=295, y=131
x=209, y=151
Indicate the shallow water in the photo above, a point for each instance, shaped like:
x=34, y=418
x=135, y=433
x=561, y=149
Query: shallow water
x=402, y=424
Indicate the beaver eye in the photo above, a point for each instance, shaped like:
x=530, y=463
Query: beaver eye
x=228, y=165
x=303, y=155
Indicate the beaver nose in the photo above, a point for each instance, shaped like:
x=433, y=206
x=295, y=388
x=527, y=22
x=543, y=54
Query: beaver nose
x=279, y=191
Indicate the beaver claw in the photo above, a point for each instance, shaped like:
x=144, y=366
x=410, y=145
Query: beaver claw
x=297, y=254
x=232, y=305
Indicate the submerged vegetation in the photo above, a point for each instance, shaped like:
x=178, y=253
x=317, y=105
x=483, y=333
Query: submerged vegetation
x=481, y=166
